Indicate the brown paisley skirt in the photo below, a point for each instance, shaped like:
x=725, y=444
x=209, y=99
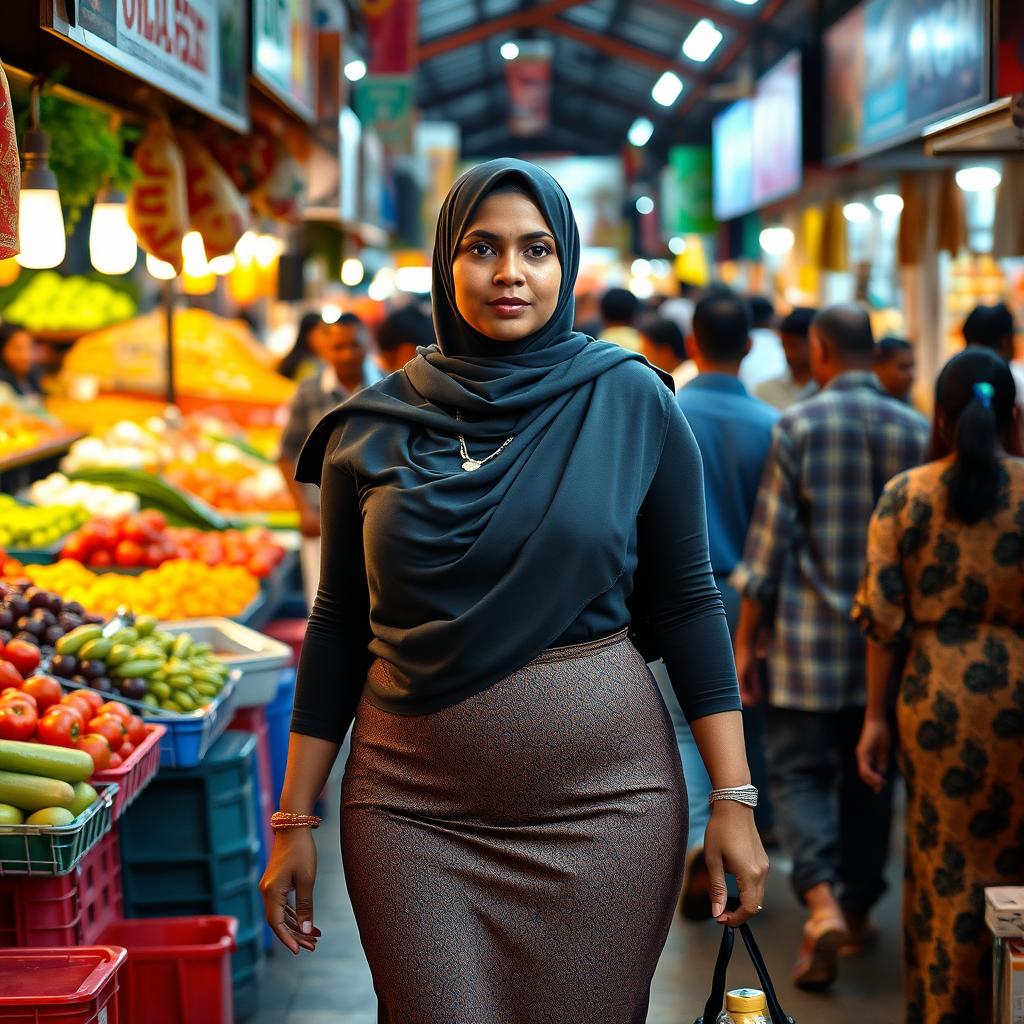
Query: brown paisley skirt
x=516, y=858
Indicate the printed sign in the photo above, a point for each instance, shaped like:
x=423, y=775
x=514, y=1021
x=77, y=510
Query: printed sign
x=193, y=50
x=283, y=51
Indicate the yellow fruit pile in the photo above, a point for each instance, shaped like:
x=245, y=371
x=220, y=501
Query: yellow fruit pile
x=177, y=590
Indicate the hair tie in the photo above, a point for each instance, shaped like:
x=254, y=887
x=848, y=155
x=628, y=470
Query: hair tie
x=983, y=391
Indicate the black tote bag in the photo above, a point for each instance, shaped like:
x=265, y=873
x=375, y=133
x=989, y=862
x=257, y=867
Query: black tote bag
x=716, y=1000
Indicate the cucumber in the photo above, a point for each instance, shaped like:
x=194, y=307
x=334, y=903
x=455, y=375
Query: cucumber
x=33, y=792
x=119, y=653
x=40, y=759
x=137, y=667
x=72, y=643
x=96, y=650
x=182, y=645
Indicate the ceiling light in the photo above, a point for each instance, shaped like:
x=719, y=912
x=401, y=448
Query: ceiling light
x=41, y=236
x=640, y=132
x=667, y=89
x=352, y=272
x=888, y=203
x=856, y=213
x=159, y=269
x=676, y=245
x=221, y=266
x=355, y=69
x=645, y=205
x=509, y=51
x=978, y=179
x=113, y=248
x=776, y=241
x=702, y=41
x=747, y=3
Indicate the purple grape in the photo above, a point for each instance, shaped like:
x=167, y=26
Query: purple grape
x=18, y=606
x=6, y=618
x=29, y=638
x=134, y=689
x=102, y=683
x=64, y=665
x=53, y=634
x=92, y=669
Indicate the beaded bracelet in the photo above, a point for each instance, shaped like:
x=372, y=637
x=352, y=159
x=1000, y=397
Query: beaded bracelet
x=282, y=821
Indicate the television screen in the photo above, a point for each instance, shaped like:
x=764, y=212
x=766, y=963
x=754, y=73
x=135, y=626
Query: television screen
x=777, y=138
x=732, y=157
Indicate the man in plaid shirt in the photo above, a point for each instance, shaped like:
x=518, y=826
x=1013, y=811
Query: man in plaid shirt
x=831, y=456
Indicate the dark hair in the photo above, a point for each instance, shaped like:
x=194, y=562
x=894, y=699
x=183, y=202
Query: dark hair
x=300, y=351
x=721, y=325
x=989, y=326
x=619, y=306
x=762, y=312
x=974, y=424
x=349, y=320
x=664, y=332
x=890, y=347
x=405, y=325
x=846, y=328
x=798, y=322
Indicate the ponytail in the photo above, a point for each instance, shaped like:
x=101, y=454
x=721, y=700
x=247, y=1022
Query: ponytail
x=974, y=478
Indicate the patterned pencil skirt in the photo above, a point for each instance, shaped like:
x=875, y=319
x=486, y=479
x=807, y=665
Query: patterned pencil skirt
x=516, y=858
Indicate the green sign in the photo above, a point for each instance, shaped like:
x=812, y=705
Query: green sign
x=686, y=192
x=384, y=103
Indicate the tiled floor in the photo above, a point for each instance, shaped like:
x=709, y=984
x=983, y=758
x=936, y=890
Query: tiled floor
x=333, y=986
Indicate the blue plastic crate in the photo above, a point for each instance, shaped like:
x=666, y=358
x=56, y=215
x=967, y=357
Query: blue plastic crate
x=189, y=737
x=279, y=713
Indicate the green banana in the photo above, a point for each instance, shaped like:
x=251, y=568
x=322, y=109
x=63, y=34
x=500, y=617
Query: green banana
x=161, y=691
x=127, y=635
x=182, y=645
x=145, y=624
x=118, y=653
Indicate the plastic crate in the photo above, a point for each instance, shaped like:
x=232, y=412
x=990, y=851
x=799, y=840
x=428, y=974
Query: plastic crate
x=258, y=658
x=58, y=849
x=246, y=972
x=178, y=970
x=279, y=713
x=137, y=772
x=70, y=910
x=289, y=631
x=66, y=986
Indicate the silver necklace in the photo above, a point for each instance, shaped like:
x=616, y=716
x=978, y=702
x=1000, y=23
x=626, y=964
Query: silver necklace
x=469, y=464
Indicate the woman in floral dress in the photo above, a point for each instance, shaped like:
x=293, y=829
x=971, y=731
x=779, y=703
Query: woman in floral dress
x=945, y=585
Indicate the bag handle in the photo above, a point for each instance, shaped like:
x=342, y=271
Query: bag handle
x=717, y=998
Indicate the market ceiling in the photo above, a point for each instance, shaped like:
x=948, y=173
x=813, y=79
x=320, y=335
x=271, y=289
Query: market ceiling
x=606, y=57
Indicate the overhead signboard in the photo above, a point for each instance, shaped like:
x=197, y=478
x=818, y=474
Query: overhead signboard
x=893, y=66
x=283, y=52
x=193, y=50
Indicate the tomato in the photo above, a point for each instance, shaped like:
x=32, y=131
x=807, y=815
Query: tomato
x=45, y=689
x=128, y=552
x=114, y=707
x=136, y=729
x=110, y=727
x=17, y=720
x=76, y=547
x=154, y=555
x=116, y=760
x=11, y=695
x=153, y=519
x=78, y=702
x=101, y=559
x=9, y=675
x=61, y=726
x=126, y=750
x=95, y=700
x=23, y=656
x=260, y=566
x=97, y=747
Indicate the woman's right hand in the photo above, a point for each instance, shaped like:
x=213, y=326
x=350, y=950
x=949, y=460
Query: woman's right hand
x=292, y=868
x=873, y=752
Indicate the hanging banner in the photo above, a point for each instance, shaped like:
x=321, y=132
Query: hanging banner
x=437, y=155
x=10, y=174
x=384, y=103
x=193, y=50
x=686, y=192
x=283, y=52
x=392, y=29
x=528, y=80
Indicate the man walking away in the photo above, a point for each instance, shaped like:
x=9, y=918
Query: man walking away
x=797, y=382
x=804, y=555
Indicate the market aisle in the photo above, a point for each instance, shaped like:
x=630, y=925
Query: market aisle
x=333, y=986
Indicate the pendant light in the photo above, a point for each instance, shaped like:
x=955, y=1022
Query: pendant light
x=113, y=248
x=40, y=219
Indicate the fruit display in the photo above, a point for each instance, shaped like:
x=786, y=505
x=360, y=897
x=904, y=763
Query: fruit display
x=25, y=526
x=57, y=489
x=215, y=358
x=145, y=540
x=51, y=303
x=262, y=491
x=164, y=671
x=42, y=784
x=20, y=431
x=177, y=590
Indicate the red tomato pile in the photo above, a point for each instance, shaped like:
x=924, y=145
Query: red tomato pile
x=38, y=710
x=145, y=541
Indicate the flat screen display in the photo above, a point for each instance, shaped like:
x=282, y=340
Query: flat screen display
x=732, y=158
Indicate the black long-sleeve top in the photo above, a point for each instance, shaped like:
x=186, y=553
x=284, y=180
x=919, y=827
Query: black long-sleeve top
x=667, y=563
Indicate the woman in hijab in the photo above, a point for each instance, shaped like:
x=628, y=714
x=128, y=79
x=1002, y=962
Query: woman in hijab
x=504, y=521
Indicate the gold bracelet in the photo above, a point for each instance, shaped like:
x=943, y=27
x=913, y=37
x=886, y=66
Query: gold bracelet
x=282, y=821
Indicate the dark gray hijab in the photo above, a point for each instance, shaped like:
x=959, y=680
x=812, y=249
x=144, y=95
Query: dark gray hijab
x=472, y=575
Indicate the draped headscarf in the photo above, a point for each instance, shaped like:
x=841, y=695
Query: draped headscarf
x=471, y=575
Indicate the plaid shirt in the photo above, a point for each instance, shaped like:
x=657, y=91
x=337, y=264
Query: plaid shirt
x=805, y=551
x=313, y=399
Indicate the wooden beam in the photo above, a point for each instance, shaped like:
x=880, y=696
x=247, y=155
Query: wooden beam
x=531, y=18
x=617, y=48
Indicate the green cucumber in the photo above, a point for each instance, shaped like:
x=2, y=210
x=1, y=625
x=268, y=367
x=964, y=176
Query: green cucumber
x=71, y=643
x=33, y=792
x=59, y=763
x=96, y=650
x=136, y=668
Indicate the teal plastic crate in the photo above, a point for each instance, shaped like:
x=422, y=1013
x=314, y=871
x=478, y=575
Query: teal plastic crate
x=246, y=972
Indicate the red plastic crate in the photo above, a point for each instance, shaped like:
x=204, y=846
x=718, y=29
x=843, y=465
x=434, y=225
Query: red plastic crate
x=66, y=910
x=65, y=986
x=290, y=632
x=178, y=969
x=136, y=772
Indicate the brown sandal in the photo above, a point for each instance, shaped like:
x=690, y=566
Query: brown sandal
x=817, y=965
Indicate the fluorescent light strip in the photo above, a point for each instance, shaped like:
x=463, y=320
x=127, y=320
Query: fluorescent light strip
x=667, y=89
x=702, y=41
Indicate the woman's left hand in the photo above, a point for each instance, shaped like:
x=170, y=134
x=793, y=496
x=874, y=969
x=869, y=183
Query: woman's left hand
x=731, y=844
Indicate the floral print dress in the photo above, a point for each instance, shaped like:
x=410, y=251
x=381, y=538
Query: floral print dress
x=952, y=596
